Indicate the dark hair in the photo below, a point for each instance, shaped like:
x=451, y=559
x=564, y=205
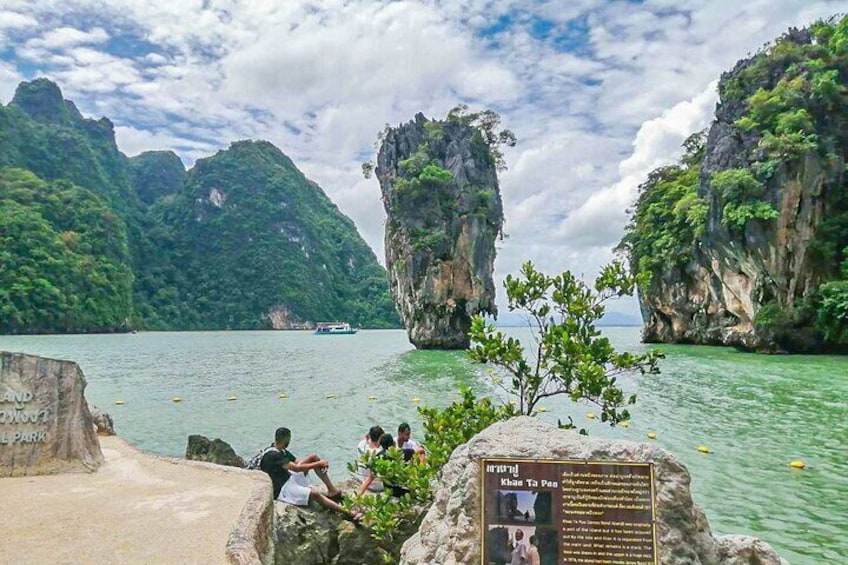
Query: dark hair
x=375, y=432
x=533, y=540
x=386, y=441
x=282, y=435
x=404, y=427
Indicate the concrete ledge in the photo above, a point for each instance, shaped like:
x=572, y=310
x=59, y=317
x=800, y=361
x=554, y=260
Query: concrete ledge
x=137, y=508
x=252, y=539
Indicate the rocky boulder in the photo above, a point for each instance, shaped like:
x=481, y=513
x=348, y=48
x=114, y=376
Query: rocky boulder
x=450, y=533
x=441, y=195
x=314, y=535
x=45, y=424
x=102, y=421
x=317, y=536
x=201, y=448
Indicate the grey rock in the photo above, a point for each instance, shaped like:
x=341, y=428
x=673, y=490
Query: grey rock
x=440, y=245
x=450, y=532
x=102, y=421
x=314, y=535
x=746, y=550
x=45, y=424
x=201, y=448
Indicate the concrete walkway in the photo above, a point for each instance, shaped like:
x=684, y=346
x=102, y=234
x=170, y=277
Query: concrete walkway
x=138, y=508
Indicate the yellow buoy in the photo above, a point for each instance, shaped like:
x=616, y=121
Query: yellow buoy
x=652, y=435
x=331, y=396
x=704, y=449
x=232, y=398
x=177, y=399
x=624, y=424
x=590, y=415
x=416, y=400
x=372, y=397
x=542, y=409
x=119, y=403
x=797, y=464
x=283, y=395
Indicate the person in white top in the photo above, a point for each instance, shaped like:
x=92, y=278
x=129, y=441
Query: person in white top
x=409, y=446
x=369, y=444
x=519, y=551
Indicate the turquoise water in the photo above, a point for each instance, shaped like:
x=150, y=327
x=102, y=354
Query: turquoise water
x=755, y=412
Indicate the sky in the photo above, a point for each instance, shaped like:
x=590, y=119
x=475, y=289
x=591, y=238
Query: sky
x=598, y=93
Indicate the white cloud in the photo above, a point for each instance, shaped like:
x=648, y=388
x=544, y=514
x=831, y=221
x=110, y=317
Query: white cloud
x=600, y=219
x=64, y=37
x=15, y=20
x=9, y=79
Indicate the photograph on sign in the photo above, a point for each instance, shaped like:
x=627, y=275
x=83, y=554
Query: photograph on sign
x=523, y=506
x=506, y=545
x=551, y=512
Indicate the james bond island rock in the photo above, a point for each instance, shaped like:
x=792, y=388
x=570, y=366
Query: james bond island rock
x=741, y=242
x=201, y=448
x=45, y=424
x=451, y=531
x=440, y=191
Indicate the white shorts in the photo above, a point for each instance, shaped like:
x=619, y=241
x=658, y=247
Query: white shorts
x=296, y=490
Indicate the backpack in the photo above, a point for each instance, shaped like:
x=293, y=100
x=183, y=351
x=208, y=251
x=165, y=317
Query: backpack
x=256, y=461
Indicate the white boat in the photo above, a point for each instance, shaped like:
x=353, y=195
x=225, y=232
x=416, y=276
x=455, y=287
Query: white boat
x=334, y=328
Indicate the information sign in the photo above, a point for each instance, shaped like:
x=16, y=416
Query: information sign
x=568, y=512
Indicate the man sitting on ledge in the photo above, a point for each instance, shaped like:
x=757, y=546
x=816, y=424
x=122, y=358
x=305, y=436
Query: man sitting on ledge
x=288, y=475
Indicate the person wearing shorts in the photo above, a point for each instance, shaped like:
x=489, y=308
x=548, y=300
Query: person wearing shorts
x=289, y=480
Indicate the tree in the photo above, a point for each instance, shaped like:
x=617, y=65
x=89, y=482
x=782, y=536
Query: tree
x=570, y=357
x=487, y=123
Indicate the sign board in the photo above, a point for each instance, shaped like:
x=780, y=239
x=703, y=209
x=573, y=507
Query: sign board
x=573, y=512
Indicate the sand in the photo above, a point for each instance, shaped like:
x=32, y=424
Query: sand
x=137, y=508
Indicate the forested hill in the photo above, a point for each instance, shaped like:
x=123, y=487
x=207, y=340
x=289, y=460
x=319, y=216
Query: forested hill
x=91, y=240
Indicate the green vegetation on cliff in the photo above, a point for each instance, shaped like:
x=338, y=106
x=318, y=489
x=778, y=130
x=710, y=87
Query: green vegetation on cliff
x=264, y=238
x=669, y=215
x=64, y=261
x=110, y=243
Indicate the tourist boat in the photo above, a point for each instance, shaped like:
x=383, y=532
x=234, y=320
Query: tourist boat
x=334, y=328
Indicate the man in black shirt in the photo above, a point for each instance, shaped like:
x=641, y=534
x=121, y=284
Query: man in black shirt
x=288, y=475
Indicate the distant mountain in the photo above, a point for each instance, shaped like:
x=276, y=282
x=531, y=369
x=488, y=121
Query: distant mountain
x=243, y=240
x=620, y=319
x=517, y=319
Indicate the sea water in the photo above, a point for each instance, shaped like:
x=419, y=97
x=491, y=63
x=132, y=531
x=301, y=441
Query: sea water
x=755, y=412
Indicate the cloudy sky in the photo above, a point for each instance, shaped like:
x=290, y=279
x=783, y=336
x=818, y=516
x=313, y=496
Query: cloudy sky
x=598, y=92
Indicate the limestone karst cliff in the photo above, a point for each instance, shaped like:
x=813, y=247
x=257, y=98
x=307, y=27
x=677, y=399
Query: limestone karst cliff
x=440, y=190
x=740, y=243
